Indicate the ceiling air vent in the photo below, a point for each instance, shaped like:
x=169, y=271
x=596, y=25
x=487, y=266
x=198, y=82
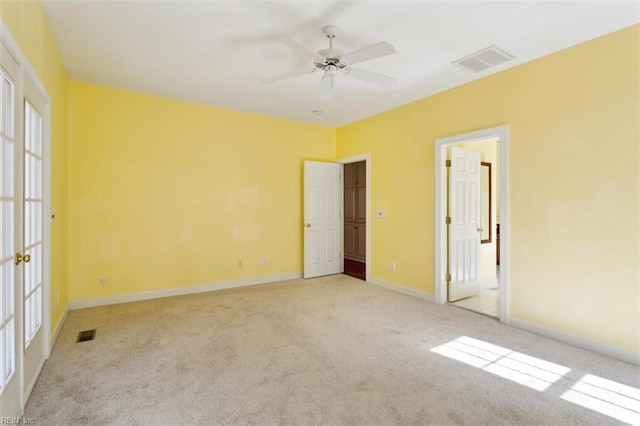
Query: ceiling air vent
x=484, y=59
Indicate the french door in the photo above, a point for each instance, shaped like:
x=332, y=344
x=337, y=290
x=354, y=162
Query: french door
x=31, y=157
x=22, y=299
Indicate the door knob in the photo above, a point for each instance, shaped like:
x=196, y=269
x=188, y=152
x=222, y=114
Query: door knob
x=22, y=258
x=308, y=225
x=479, y=229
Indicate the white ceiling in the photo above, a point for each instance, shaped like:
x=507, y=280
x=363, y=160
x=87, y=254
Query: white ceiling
x=215, y=53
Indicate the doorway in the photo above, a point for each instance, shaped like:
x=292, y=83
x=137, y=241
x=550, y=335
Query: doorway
x=478, y=290
x=323, y=200
x=499, y=244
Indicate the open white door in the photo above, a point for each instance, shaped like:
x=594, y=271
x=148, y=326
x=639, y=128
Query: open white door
x=32, y=293
x=322, y=222
x=23, y=234
x=10, y=239
x=464, y=230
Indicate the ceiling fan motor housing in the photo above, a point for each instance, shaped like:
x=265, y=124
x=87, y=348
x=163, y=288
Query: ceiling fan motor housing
x=331, y=53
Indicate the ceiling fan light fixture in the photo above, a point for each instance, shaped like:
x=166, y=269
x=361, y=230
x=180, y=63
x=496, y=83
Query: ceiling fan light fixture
x=335, y=61
x=330, y=70
x=326, y=88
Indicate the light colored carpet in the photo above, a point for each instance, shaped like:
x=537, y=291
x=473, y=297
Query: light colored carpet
x=330, y=351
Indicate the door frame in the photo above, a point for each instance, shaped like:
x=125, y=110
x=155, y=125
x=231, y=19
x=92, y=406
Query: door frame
x=441, y=145
x=26, y=71
x=356, y=159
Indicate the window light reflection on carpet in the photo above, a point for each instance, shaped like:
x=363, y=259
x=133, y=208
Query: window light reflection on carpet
x=526, y=370
x=605, y=396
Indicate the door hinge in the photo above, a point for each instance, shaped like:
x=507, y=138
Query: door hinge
x=448, y=163
x=448, y=278
x=448, y=220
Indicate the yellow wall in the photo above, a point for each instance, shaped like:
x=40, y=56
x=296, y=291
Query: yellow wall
x=574, y=137
x=165, y=194
x=28, y=26
x=488, y=150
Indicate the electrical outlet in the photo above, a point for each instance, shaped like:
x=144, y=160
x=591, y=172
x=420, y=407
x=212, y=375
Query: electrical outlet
x=240, y=263
x=103, y=280
x=264, y=260
x=393, y=266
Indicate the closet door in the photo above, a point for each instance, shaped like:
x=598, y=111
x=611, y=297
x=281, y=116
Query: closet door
x=361, y=211
x=350, y=207
x=355, y=211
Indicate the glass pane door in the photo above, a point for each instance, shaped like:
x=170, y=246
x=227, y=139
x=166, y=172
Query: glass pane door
x=32, y=223
x=7, y=226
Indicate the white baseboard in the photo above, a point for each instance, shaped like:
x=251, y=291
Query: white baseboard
x=402, y=289
x=157, y=294
x=579, y=342
x=56, y=330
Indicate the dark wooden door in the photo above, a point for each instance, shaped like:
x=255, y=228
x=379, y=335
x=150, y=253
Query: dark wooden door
x=355, y=219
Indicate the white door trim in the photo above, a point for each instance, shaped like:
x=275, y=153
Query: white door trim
x=355, y=159
x=441, y=144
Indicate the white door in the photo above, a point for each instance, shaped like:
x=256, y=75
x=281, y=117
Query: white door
x=464, y=230
x=22, y=340
x=32, y=271
x=10, y=306
x=322, y=222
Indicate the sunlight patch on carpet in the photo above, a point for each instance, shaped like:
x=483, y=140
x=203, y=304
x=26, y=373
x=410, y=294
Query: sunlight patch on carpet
x=523, y=369
x=606, y=397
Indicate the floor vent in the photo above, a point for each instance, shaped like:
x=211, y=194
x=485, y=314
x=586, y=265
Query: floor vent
x=483, y=59
x=87, y=335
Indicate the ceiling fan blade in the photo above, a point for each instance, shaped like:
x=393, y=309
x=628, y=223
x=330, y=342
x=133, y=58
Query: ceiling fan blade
x=371, y=77
x=303, y=49
x=275, y=79
x=326, y=88
x=367, y=53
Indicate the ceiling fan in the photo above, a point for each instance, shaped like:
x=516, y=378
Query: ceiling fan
x=333, y=62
